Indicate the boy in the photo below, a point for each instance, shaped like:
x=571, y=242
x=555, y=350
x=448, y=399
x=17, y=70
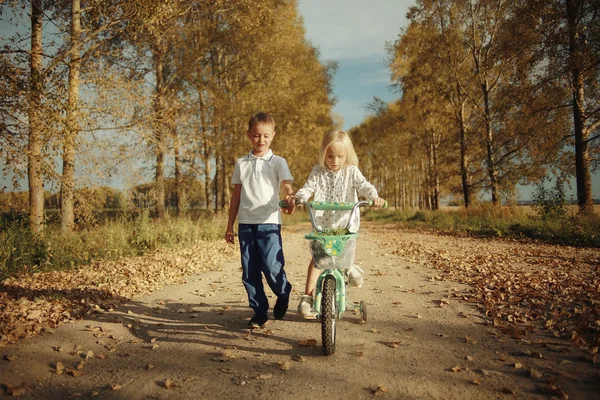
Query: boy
x=255, y=202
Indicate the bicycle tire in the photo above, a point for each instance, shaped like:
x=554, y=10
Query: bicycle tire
x=328, y=315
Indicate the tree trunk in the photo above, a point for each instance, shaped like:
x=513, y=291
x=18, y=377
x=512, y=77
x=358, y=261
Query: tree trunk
x=34, y=151
x=582, y=159
x=489, y=142
x=159, y=128
x=68, y=176
x=464, y=158
x=216, y=182
x=206, y=148
x=224, y=185
x=179, y=187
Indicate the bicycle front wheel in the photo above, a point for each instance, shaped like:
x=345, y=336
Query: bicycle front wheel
x=328, y=315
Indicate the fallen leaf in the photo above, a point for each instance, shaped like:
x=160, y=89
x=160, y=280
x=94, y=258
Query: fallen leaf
x=534, y=373
x=507, y=390
x=169, y=384
x=74, y=372
x=298, y=358
x=14, y=391
x=228, y=353
x=553, y=390
x=470, y=340
x=378, y=390
x=285, y=366
x=60, y=368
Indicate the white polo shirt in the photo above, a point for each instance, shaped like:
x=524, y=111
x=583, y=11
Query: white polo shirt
x=261, y=179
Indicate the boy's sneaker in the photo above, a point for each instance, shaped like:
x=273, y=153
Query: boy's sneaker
x=257, y=321
x=305, y=308
x=281, y=306
x=355, y=276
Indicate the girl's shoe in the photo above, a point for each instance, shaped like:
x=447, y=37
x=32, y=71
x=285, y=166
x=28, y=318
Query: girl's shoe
x=305, y=307
x=355, y=276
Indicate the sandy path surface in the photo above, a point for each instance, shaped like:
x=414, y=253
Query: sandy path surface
x=190, y=341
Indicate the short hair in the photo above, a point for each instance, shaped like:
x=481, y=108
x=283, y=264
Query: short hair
x=261, y=118
x=338, y=137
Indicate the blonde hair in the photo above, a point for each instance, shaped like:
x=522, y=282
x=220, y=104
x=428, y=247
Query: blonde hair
x=342, y=138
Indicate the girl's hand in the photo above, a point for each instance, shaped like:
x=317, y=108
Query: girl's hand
x=378, y=202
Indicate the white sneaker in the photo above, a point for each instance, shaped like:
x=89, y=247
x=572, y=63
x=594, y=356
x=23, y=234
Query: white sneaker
x=355, y=276
x=305, y=308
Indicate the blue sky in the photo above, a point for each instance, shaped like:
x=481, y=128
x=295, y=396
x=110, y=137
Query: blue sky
x=354, y=33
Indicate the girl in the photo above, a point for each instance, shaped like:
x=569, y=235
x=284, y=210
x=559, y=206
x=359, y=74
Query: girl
x=336, y=179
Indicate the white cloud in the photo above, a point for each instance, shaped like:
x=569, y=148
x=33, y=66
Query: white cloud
x=350, y=29
x=379, y=76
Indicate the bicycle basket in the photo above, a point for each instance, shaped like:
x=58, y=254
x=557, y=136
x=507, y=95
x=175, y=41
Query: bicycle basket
x=332, y=251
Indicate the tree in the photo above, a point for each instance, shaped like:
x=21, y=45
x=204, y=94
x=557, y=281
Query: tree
x=71, y=128
x=34, y=153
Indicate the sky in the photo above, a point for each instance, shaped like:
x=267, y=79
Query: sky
x=354, y=33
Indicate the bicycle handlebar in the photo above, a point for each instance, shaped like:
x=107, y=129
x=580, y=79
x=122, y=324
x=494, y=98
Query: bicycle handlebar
x=330, y=206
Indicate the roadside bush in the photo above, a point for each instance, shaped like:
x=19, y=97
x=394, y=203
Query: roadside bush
x=550, y=204
x=20, y=248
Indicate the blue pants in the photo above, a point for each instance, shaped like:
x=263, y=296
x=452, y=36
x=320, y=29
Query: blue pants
x=260, y=247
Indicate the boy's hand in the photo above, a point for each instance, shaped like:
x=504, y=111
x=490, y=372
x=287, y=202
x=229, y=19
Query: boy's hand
x=230, y=237
x=378, y=202
x=290, y=199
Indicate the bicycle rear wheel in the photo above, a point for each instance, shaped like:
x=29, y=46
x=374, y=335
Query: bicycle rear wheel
x=328, y=315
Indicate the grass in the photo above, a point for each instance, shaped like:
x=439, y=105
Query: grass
x=23, y=251
x=567, y=228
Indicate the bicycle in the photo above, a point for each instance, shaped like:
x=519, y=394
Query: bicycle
x=332, y=252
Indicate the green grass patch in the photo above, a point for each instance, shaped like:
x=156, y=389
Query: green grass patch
x=22, y=251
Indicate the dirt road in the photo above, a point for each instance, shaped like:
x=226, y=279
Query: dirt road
x=190, y=341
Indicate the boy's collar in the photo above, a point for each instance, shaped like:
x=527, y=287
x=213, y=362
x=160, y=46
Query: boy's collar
x=266, y=157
